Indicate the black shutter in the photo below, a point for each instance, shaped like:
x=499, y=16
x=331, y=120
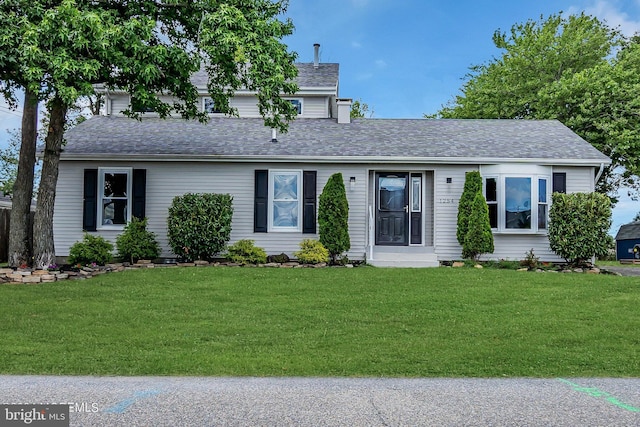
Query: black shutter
x=261, y=195
x=309, y=197
x=559, y=182
x=139, y=193
x=90, y=200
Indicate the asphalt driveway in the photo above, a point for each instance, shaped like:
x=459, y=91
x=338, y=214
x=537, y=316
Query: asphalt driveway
x=180, y=401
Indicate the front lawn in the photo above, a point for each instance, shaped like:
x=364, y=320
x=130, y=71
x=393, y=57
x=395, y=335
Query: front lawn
x=220, y=321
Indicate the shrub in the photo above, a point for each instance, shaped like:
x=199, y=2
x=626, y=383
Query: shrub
x=281, y=258
x=578, y=226
x=472, y=186
x=333, y=217
x=136, y=242
x=245, y=252
x=530, y=260
x=479, y=239
x=312, y=252
x=92, y=249
x=199, y=225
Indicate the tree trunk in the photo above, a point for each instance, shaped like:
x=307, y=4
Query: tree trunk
x=19, y=250
x=43, y=247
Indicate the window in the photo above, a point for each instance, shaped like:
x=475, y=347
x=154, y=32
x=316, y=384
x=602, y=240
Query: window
x=517, y=202
x=297, y=103
x=543, y=205
x=114, y=197
x=285, y=207
x=138, y=107
x=416, y=193
x=285, y=201
x=209, y=106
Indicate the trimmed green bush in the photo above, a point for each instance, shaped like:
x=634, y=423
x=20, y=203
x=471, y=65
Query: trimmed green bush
x=578, y=226
x=472, y=186
x=136, y=242
x=199, y=225
x=333, y=217
x=479, y=239
x=92, y=249
x=312, y=252
x=245, y=252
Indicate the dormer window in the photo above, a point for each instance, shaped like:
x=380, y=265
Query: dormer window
x=137, y=107
x=297, y=104
x=209, y=106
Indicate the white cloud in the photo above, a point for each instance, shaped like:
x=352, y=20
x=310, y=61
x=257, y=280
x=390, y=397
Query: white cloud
x=356, y=45
x=610, y=12
x=380, y=63
x=360, y=3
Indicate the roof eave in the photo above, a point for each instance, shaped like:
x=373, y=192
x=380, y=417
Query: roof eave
x=329, y=159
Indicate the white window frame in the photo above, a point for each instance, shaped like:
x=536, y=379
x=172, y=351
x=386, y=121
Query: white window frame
x=100, y=196
x=271, y=200
x=500, y=173
x=300, y=102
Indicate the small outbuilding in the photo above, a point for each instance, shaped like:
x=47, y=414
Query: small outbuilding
x=628, y=242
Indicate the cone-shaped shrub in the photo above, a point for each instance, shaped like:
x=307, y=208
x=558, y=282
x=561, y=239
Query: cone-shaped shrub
x=136, y=242
x=479, y=239
x=333, y=217
x=472, y=185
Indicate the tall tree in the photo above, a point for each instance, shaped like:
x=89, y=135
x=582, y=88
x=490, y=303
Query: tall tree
x=574, y=69
x=148, y=48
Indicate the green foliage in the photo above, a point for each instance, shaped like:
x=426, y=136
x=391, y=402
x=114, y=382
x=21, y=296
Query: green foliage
x=9, y=164
x=312, y=252
x=333, y=217
x=360, y=110
x=531, y=261
x=578, y=226
x=280, y=258
x=92, y=249
x=472, y=186
x=136, y=242
x=637, y=217
x=199, y=225
x=245, y=252
x=574, y=69
x=479, y=239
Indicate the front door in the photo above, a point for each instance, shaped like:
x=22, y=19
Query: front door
x=392, y=211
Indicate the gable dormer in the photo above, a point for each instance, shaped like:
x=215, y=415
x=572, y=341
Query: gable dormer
x=316, y=97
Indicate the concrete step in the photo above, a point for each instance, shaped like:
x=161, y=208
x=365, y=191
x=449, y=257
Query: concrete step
x=404, y=263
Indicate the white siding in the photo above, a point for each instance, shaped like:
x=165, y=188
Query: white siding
x=167, y=180
x=579, y=180
x=119, y=103
x=446, y=199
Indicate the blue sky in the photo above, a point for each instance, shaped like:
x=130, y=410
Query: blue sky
x=405, y=58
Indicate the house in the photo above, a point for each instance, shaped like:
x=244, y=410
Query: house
x=403, y=178
x=628, y=242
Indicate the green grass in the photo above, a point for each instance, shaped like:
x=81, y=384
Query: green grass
x=324, y=322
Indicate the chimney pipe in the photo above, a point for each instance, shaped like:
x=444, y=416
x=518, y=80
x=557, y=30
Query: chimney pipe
x=344, y=110
x=274, y=137
x=316, y=55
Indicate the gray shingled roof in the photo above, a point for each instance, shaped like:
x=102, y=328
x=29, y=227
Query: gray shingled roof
x=629, y=231
x=363, y=139
x=326, y=75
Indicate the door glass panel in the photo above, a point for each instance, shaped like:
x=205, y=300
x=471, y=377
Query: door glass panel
x=416, y=194
x=392, y=193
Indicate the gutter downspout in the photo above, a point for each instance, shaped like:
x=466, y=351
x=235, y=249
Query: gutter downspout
x=599, y=174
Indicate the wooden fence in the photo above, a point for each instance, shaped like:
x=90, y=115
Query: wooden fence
x=5, y=215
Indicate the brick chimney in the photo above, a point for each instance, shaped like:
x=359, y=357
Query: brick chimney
x=344, y=110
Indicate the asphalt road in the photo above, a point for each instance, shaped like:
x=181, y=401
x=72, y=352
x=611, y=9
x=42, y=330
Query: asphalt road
x=179, y=401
